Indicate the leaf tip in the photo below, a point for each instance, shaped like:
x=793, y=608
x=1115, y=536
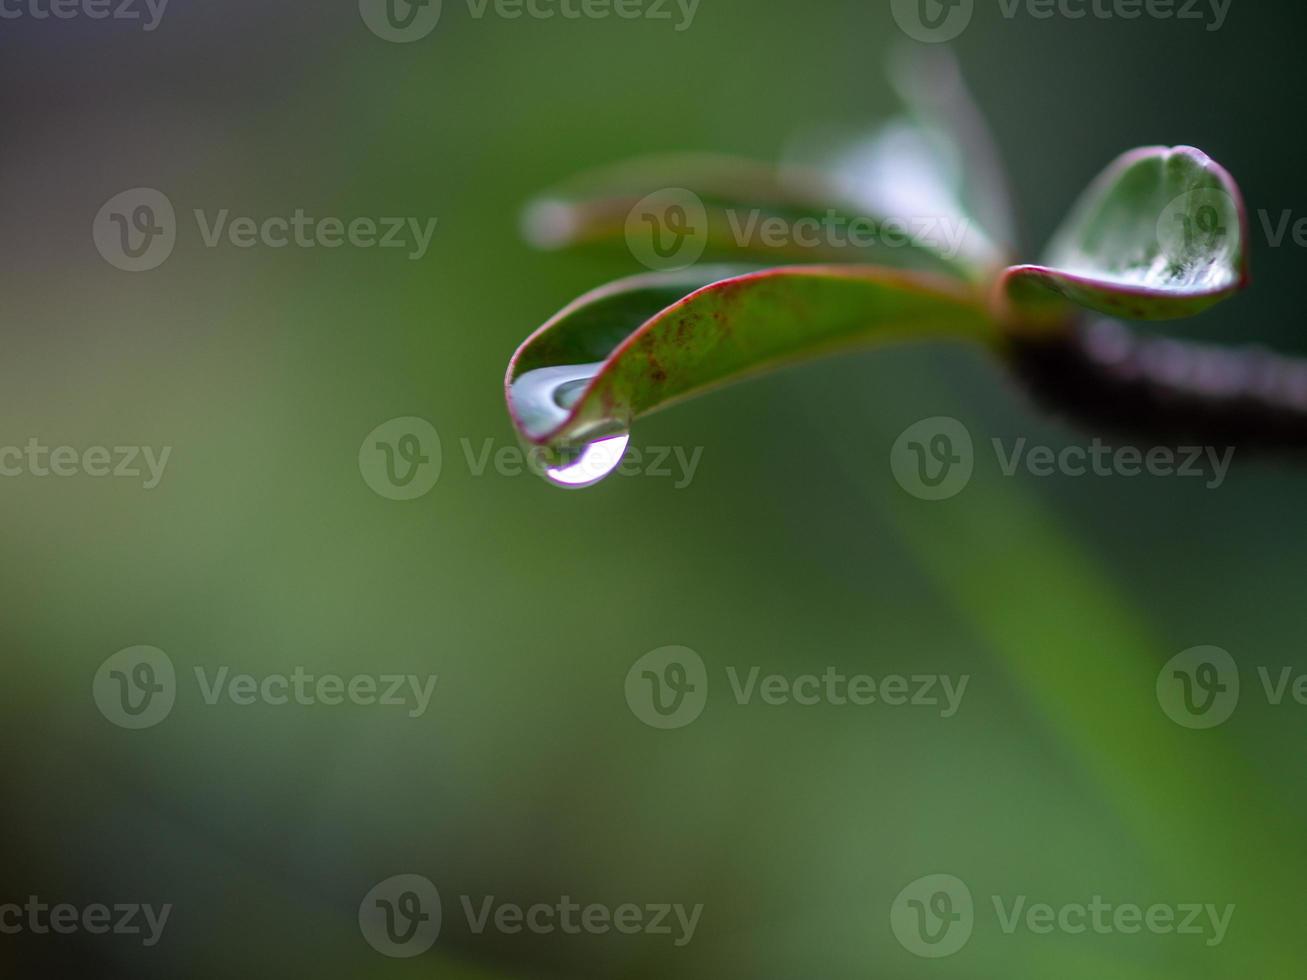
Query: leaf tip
x=549, y=224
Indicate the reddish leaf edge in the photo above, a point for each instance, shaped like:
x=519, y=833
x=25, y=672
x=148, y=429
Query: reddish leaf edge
x=1041, y=274
x=922, y=282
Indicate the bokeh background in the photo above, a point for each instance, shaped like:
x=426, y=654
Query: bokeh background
x=793, y=549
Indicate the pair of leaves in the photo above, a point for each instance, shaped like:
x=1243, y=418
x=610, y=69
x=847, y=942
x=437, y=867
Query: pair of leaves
x=1160, y=235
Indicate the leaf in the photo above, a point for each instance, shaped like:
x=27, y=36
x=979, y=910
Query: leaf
x=1162, y=234
x=925, y=191
x=671, y=210
x=640, y=344
x=936, y=162
x=931, y=84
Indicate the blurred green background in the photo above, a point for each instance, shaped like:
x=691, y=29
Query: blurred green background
x=792, y=549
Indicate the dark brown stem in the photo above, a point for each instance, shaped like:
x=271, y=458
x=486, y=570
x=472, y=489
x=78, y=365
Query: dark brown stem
x=1162, y=391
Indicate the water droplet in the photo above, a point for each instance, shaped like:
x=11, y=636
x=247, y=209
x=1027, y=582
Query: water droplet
x=589, y=464
x=569, y=393
x=544, y=397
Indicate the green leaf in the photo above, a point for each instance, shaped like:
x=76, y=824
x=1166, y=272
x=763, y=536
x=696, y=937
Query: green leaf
x=935, y=162
x=925, y=191
x=669, y=211
x=640, y=344
x=1162, y=234
x=930, y=83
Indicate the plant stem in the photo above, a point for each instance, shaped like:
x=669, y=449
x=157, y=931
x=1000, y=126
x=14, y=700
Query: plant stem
x=1103, y=375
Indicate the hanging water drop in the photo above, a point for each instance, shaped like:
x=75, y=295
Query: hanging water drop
x=591, y=464
x=543, y=399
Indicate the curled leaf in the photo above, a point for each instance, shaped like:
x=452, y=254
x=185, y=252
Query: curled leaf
x=640, y=344
x=1162, y=234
